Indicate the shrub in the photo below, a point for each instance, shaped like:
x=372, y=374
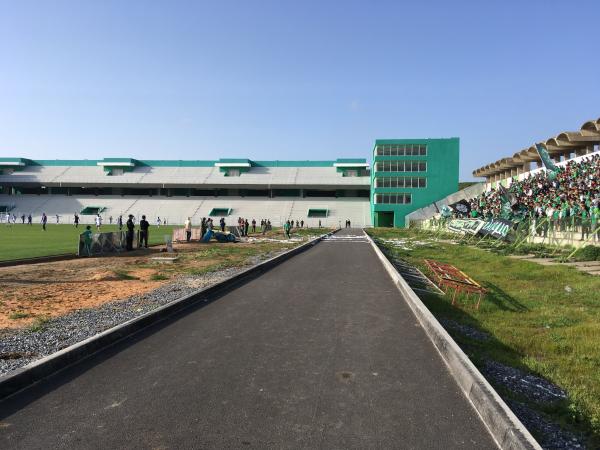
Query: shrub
x=588, y=253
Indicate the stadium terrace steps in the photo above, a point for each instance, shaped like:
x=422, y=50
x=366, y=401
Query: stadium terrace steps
x=177, y=209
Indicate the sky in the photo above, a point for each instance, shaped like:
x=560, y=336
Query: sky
x=292, y=79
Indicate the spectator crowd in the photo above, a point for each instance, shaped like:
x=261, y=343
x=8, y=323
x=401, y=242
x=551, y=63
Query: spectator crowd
x=569, y=196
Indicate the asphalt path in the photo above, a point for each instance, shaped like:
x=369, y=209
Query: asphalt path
x=319, y=352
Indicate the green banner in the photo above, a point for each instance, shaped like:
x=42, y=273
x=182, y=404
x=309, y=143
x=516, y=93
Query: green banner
x=498, y=228
x=471, y=226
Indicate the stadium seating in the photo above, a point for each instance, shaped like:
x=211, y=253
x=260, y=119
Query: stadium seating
x=573, y=192
x=176, y=209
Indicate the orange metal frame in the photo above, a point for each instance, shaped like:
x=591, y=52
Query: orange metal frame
x=448, y=277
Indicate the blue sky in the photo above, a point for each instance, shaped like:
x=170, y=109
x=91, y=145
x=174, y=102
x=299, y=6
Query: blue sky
x=291, y=80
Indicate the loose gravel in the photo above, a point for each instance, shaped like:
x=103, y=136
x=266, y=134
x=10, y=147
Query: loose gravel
x=22, y=346
x=551, y=435
x=466, y=330
x=531, y=387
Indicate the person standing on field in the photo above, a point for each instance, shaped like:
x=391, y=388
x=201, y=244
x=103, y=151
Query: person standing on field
x=203, y=227
x=120, y=222
x=287, y=228
x=76, y=221
x=188, y=229
x=98, y=222
x=87, y=240
x=44, y=221
x=129, y=236
x=144, y=231
x=29, y=220
x=254, y=225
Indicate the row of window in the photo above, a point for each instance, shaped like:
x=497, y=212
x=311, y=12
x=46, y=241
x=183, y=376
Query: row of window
x=393, y=199
x=401, y=166
x=402, y=182
x=401, y=150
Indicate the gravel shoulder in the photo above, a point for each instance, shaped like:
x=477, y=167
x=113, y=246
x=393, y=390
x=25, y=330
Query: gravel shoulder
x=80, y=320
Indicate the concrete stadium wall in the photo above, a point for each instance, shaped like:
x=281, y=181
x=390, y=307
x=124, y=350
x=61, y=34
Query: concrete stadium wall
x=430, y=211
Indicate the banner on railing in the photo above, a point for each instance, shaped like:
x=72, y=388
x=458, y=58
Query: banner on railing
x=471, y=226
x=497, y=228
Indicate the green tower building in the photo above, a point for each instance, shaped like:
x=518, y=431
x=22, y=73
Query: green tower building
x=408, y=174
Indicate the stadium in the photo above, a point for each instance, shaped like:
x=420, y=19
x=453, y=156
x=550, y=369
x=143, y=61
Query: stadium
x=466, y=262
x=329, y=192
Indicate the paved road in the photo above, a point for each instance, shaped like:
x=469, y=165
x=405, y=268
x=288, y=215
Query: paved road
x=319, y=352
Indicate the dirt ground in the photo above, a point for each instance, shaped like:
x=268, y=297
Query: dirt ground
x=36, y=291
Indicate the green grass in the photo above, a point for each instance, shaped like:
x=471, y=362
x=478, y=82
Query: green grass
x=544, y=319
x=124, y=275
x=18, y=315
x=39, y=324
x=159, y=276
x=22, y=241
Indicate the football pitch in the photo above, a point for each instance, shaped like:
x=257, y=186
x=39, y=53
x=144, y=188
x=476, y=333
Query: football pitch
x=20, y=241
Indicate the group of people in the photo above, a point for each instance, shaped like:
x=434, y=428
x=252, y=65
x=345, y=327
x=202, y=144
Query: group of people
x=569, y=196
x=144, y=231
x=11, y=219
x=244, y=226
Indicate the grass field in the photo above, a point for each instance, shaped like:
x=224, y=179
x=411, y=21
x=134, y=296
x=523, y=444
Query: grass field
x=22, y=241
x=543, y=319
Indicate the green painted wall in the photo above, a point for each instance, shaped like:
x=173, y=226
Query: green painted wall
x=442, y=177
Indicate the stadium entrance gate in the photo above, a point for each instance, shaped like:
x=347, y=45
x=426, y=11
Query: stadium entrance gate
x=384, y=219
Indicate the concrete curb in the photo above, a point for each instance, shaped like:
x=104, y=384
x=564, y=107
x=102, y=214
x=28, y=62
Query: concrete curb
x=47, y=366
x=505, y=428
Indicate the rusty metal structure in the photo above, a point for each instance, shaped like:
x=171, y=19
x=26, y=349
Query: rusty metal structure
x=447, y=277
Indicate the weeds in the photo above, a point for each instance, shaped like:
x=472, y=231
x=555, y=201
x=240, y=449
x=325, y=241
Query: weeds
x=39, y=324
x=124, y=275
x=158, y=276
x=19, y=315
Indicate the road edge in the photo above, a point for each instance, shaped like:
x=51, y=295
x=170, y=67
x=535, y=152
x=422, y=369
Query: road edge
x=505, y=427
x=47, y=366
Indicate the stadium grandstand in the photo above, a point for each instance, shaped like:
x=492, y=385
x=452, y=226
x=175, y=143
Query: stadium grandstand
x=559, y=198
x=566, y=146
x=406, y=174
x=329, y=191
x=567, y=193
